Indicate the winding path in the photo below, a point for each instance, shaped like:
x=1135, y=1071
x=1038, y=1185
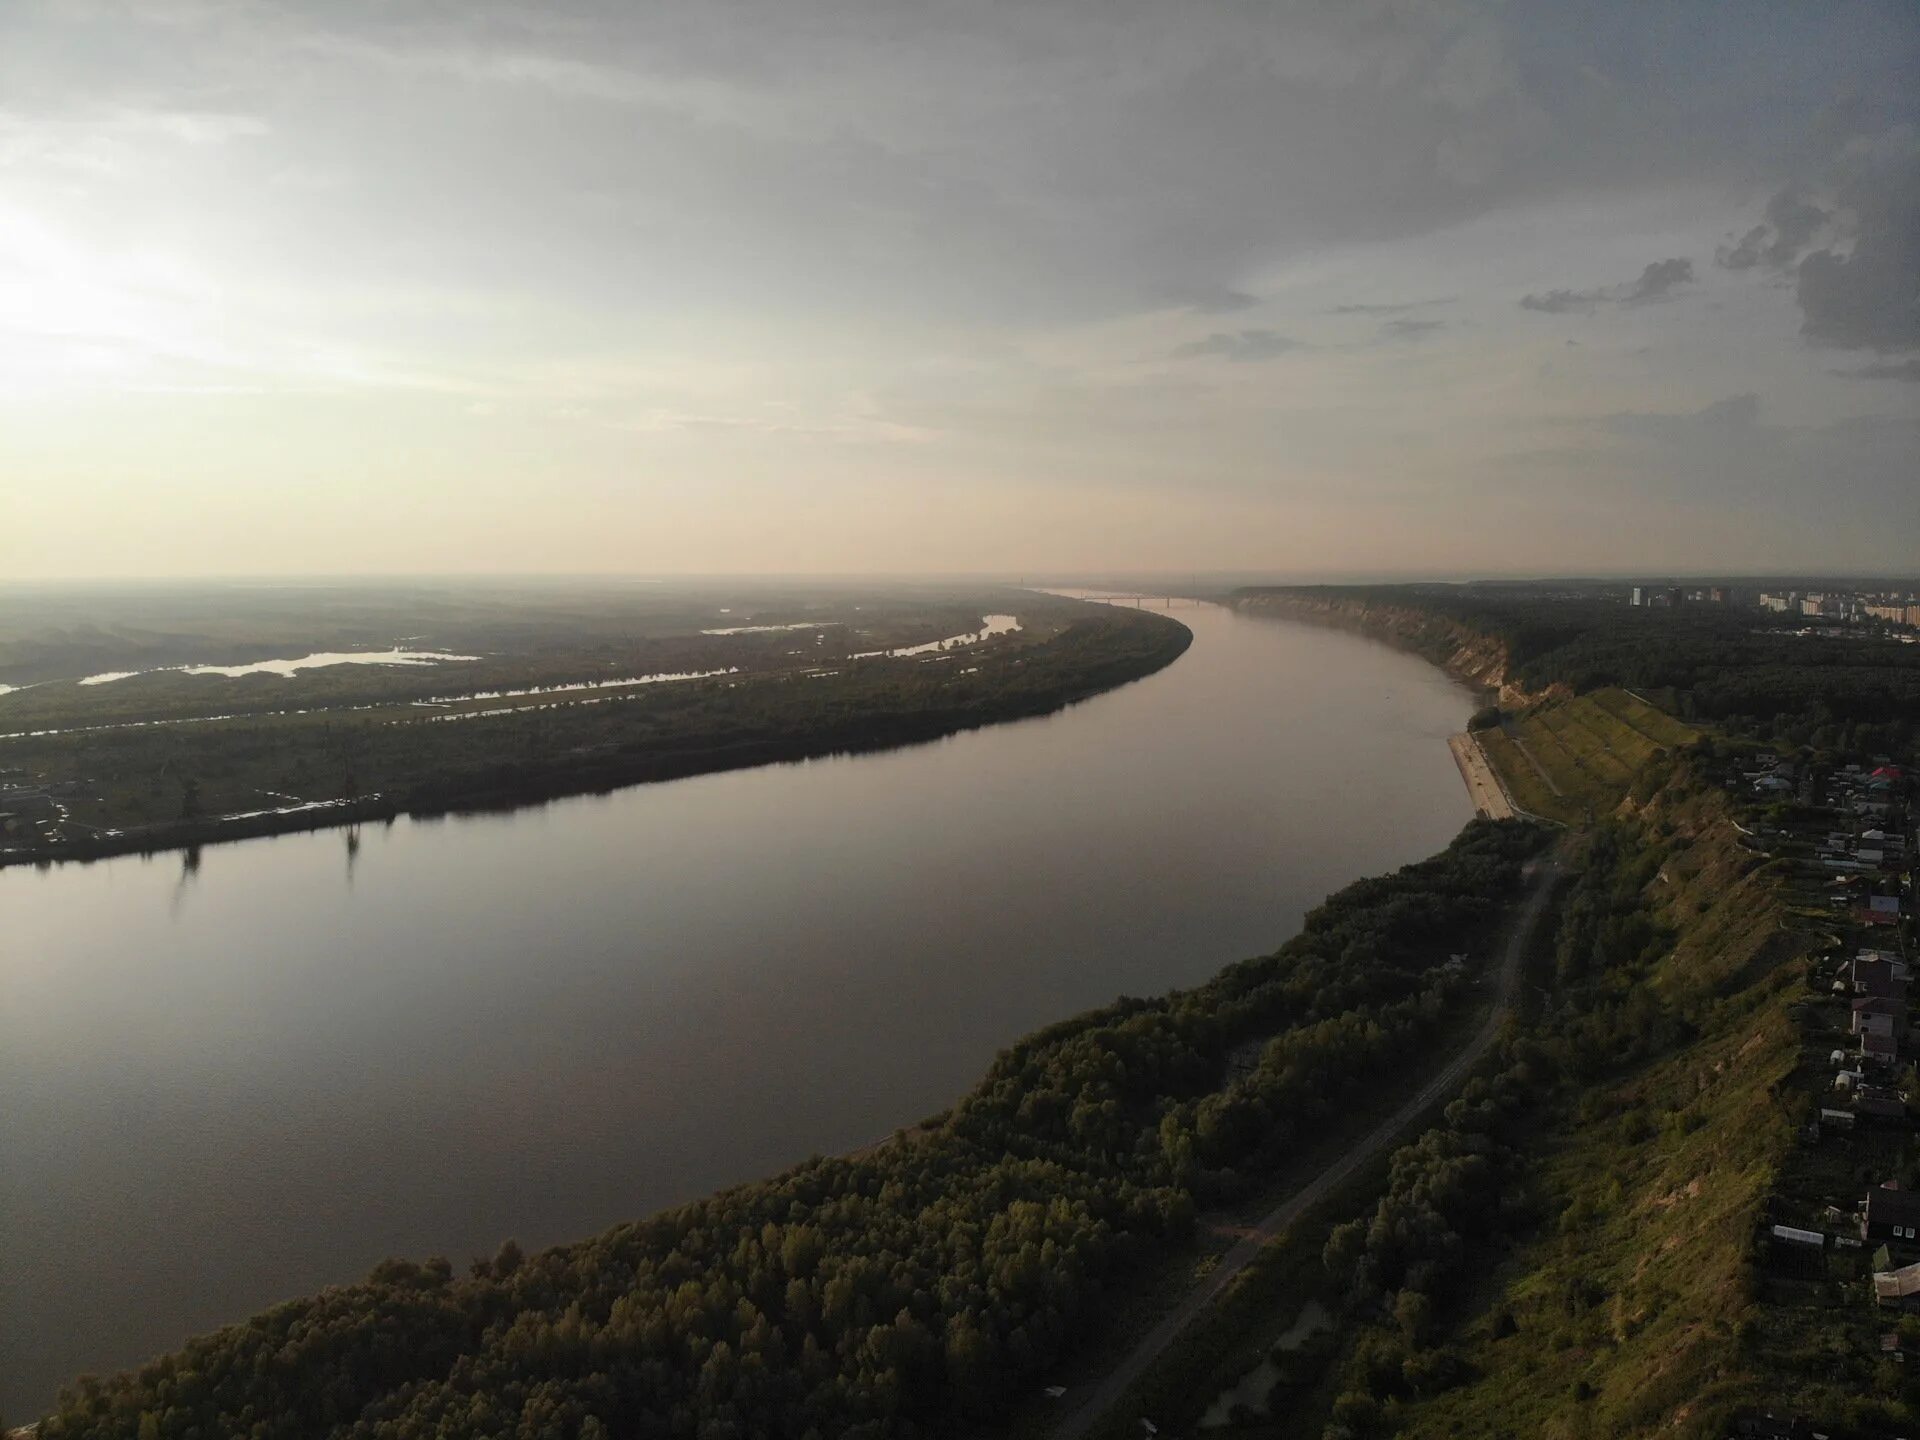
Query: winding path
x=1104, y=1396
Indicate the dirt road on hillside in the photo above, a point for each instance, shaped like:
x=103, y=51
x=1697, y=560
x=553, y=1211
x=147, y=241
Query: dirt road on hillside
x=1095, y=1403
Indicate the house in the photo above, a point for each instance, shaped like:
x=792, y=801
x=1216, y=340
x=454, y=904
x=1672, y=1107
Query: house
x=1891, y=1214
x=1877, y=980
x=1882, y=910
x=1900, y=1288
x=1874, y=1016
x=1883, y=1048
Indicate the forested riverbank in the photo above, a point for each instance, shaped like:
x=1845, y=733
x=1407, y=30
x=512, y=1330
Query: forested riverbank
x=145, y=786
x=1746, y=671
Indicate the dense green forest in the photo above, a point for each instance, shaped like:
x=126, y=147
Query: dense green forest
x=910, y=1289
x=1744, y=670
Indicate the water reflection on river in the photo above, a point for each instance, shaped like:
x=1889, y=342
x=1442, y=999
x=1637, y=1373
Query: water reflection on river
x=240, y=1078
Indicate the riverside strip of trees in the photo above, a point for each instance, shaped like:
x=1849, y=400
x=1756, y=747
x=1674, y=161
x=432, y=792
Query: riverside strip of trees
x=903, y=1291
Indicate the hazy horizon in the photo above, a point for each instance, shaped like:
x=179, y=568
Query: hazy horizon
x=1180, y=580
x=1409, y=291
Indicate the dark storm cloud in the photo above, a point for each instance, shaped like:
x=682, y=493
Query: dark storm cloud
x=1242, y=345
x=1656, y=282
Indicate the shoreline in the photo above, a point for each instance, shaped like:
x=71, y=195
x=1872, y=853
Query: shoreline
x=864, y=736
x=1471, y=657
x=1468, y=664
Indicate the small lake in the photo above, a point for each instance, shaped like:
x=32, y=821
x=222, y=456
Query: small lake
x=230, y=1083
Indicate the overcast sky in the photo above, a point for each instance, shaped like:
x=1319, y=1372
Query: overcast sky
x=1361, y=288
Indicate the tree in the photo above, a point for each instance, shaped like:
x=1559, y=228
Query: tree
x=1413, y=1312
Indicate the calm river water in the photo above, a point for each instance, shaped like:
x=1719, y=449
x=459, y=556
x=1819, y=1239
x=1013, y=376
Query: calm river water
x=224, y=1086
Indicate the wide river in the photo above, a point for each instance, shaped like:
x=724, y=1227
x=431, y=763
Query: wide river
x=227, y=1084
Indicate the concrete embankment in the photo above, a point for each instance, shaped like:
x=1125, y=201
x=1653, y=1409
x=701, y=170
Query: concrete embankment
x=1483, y=786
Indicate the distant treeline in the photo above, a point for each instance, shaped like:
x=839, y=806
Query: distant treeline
x=1739, y=668
x=906, y=1290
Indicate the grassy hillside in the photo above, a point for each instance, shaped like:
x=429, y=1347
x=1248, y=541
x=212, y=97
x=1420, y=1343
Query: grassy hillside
x=1625, y=1313
x=1572, y=758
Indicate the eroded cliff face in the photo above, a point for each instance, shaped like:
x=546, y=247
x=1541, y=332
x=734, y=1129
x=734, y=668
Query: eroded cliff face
x=1466, y=654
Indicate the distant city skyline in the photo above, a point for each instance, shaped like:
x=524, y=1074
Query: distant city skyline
x=1384, y=291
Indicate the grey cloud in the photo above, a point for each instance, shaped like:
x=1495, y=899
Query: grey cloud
x=1213, y=299
x=1059, y=161
x=1410, y=329
x=1727, y=460
x=1750, y=250
x=1861, y=289
x=1791, y=222
x=1884, y=370
x=1562, y=302
x=1736, y=415
x=1656, y=282
x=1869, y=298
x=1242, y=345
x=1392, y=308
